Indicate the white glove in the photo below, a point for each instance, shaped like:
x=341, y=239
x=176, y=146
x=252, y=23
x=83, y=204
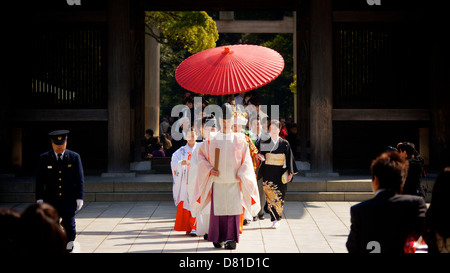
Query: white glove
x=79, y=204
x=39, y=201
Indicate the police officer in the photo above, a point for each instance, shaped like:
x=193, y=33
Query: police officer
x=60, y=181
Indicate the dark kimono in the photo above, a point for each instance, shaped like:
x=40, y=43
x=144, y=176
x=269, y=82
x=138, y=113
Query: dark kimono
x=272, y=171
x=413, y=182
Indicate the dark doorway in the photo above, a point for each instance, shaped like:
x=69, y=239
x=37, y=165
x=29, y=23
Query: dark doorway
x=357, y=143
x=89, y=139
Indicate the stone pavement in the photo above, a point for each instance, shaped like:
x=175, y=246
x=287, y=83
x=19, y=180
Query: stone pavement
x=144, y=227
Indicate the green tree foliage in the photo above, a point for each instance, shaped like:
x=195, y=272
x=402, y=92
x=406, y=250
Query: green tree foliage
x=171, y=92
x=276, y=92
x=192, y=30
x=293, y=85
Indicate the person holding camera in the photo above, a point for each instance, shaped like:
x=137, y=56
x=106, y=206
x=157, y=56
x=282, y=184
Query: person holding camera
x=413, y=183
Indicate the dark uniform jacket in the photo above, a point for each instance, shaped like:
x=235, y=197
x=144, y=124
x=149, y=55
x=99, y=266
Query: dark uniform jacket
x=388, y=219
x=60, y=183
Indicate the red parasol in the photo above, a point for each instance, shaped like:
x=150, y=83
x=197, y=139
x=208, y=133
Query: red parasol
x=229, y=69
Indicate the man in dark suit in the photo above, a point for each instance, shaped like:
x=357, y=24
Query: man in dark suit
x=60, y=181
x=384, y=222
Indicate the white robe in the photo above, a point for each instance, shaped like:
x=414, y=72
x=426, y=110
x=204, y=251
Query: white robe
x=203, y=217
x=180, y=175
x=230, y=194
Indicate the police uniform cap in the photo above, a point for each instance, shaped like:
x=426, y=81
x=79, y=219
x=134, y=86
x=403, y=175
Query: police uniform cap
x=59, y=137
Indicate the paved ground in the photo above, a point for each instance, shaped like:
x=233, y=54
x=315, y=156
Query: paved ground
x=143, y=227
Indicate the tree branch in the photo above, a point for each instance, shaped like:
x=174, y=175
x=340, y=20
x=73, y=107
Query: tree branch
x=158, y=38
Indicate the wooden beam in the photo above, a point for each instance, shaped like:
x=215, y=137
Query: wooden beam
x=220, y=5
x=287, y=25
x=36, y=115
x=152, y=84
x=119, y=86
x=381, y=114
x=321, y=87
x=375, y=16
x=303, y=79
x=72, y=16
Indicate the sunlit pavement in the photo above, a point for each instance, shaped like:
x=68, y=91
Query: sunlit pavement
x=144, y=227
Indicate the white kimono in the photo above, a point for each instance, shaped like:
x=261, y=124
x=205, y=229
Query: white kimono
x=203, y=217
x=230, y=194
x=180, y=175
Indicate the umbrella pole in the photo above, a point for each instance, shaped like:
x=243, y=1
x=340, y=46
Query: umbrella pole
x=216, y=159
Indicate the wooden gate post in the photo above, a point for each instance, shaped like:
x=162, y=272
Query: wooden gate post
x=321, y=87
x=119, y=86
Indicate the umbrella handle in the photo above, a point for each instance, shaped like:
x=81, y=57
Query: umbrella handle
x=216, y=159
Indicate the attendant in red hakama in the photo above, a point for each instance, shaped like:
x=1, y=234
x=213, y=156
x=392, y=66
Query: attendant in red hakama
x=180, y=164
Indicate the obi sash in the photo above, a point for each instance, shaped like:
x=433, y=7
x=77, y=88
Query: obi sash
x=275, y=159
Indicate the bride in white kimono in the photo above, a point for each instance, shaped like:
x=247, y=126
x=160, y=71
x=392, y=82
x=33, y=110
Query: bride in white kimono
x=209, y=128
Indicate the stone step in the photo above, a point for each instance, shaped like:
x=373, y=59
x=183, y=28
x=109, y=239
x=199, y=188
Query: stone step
x=152, y=186
x=167, y=196
x=165, y=184
x=129, y=196
x=328, y=196
x=18, y=197
x=158, y=187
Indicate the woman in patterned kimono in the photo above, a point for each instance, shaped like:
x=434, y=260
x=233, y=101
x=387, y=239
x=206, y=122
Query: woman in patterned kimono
x=277, y=170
